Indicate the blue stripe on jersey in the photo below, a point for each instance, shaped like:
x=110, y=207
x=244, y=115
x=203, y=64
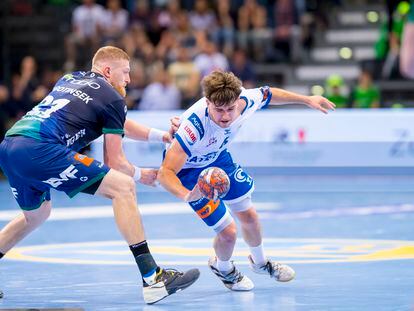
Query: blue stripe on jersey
x=195, y=120
x=269, y=96
x=247, y=103
x=180, y=140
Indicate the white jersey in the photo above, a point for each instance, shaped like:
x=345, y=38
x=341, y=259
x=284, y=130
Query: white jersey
x=203, y=140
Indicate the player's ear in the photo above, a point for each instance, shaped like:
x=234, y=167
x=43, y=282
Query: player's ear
x=107, y=72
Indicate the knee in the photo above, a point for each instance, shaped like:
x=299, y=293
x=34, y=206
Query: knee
x=229, y=234
x=249, y=217
x=125, y=187
x=39, y=216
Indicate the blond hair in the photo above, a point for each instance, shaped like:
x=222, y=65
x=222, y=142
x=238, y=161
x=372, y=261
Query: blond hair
x=108, y=53
x=221, y=88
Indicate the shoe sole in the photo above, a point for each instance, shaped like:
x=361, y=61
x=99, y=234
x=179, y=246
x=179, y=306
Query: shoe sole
x=176, y=289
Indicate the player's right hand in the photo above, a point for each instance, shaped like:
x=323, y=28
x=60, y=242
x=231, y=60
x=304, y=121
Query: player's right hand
x=148, y=176
x=193, y=195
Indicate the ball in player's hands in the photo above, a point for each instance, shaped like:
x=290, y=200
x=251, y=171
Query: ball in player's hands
x=213, y=183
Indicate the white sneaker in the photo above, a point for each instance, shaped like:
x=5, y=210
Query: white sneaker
x=282, y=273
x=233, y=280
x=168, y=282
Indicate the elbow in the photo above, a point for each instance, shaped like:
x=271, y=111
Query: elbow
x=116, y=164
x=162, y=175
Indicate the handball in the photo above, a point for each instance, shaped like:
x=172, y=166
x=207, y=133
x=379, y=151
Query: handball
x=213, y=183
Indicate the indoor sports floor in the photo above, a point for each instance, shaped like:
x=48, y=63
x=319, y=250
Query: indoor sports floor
x=349, y=238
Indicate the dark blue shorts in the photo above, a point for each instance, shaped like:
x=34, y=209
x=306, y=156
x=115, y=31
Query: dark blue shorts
x=33, y=167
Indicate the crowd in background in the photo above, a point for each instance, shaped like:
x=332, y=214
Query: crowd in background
x=173, y=44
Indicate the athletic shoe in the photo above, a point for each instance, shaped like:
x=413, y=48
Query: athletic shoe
x=1, y=294
x=233, y=280
x=168, y=282
x=282, y=273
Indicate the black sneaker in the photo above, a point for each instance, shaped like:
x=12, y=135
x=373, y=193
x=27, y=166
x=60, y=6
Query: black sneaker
x=168, y=282
x=1, y=294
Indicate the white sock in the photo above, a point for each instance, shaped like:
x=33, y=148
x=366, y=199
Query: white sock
x=150, y=277
x=224, y=266
x=258, y=255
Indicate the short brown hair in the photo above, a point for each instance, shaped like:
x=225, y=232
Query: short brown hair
x=221, y=88
x=109, y=53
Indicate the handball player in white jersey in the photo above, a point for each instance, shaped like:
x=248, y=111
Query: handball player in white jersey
x=205, y=131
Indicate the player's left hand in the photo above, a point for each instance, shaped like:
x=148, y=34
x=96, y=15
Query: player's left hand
x=320, y=103
x=167, y=138
x=175, y=124
x=149, y=176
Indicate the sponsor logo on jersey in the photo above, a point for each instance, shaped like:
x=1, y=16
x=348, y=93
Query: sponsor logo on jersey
x=208, y=209
x=241, y=176
x=212, y=141
x=204, y=158
x=195, y=120
x=83, y=159
x=191, y=135
x=93, y=85
x=68, y=173
x=70, y=140
x=15, y=193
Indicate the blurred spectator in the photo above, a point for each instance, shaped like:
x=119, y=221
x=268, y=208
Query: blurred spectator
x=210, y=59
x=243, y=69
x=141, y=14
x=387, y=47
x=365, y=94
x=26, y=88
x=166, y=48
x=336, y=91
x=261, y=37
x=246, y=15
x=161, y=93
x=146, y=18
x=224, y=33
x=407, y=48
x=4, y=113
x=85, y=35
x=185, y=76
x=115, y=22
x=167, y=18
x=287, y=34
x=202, y=17
x=137, y=85
x=184, y=33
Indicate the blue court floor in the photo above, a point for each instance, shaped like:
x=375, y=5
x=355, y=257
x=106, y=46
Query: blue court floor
x=349, y=238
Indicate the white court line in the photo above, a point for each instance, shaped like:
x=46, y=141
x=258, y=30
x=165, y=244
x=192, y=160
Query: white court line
x=105, y=211
x=267, y=211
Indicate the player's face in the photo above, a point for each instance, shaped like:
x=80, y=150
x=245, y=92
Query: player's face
x=224, y=116
x=119, y=75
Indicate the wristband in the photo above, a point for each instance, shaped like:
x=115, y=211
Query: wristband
x=137, y=174
x=156, y=135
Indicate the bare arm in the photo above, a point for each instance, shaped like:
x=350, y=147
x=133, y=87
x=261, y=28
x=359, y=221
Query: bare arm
x=283, y=97
x=138, y=131
x=174, y=160
x=114, y=155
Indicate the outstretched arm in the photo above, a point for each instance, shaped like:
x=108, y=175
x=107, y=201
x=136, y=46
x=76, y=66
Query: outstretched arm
x=115, y=158
x=283, y=97
x=138, y=131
